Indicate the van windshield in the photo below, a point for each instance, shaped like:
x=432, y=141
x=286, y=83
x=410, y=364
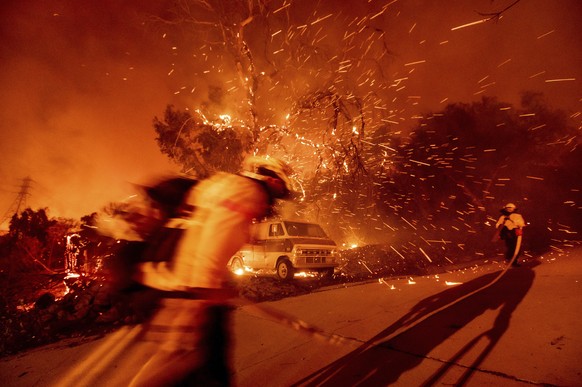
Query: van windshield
x=305, y=230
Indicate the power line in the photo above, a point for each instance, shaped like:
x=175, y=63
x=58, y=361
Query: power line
x=20, y=201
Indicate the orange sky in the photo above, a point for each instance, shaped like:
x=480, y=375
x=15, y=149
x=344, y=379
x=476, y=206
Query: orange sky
x=82, y=81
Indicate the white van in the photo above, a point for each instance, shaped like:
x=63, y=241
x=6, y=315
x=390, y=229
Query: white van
x=288, y=247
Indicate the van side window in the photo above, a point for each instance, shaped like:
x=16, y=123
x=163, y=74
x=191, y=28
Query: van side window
x=275, y=229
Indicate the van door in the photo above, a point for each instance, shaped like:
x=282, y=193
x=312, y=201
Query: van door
x=260, y=233
x=259, y=253
x=275, y=246
x=265, y=248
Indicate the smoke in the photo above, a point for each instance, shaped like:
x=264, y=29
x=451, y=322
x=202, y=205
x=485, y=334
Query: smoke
x=81, y=84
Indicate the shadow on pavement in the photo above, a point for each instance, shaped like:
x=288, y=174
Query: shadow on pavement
x=389, y=354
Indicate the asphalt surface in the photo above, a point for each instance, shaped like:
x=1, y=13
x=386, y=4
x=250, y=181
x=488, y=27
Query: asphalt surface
x=478, y=326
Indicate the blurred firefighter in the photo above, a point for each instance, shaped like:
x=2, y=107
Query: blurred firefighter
x=510, y=226
x=191, y=327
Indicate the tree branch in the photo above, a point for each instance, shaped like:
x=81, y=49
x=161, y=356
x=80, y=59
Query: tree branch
x=497, y=15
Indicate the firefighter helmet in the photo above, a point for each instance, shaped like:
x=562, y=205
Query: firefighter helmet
x=272, y=171
x=510, y=207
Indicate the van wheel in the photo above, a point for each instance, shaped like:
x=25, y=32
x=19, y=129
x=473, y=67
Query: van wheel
x=236, y=266
x=285, y=270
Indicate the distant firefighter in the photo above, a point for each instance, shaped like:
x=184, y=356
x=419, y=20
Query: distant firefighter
x=510, y=226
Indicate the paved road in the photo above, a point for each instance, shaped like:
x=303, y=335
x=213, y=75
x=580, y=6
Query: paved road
x=522, y=329
x=477, y=326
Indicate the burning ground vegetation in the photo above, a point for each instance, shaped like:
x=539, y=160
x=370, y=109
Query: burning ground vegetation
x=39, y=309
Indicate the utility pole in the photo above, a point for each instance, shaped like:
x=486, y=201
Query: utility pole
x=19, y=202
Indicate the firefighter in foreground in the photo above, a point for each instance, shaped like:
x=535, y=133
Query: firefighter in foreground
x=192, y=332
x=511, y=224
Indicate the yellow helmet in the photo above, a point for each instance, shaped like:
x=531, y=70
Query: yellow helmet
x=510, y=207
x=272, y=171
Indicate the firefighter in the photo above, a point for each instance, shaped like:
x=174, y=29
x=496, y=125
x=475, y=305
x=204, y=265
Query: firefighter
x=192, y=324
x=510, y=225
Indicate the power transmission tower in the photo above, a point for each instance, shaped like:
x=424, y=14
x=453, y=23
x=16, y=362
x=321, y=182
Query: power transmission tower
x=19, y=202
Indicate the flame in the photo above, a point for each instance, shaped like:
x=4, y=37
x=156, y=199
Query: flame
x=305, y=274
x=226, y=119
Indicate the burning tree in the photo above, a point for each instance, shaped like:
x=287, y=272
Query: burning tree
x=308, y=88
x=200, y=146
x=317, y=86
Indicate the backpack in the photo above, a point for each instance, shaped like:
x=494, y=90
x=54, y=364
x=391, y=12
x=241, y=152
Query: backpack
x=506, y=233
x=157, y=222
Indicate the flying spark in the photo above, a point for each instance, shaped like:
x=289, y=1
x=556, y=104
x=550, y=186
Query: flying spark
x=560, y=80
x=546, y=34
x=420, y=162
x=413, y=63
x=504, y=63
x=470, y=24
x=427, y=257
x=321, y=18
x=396, y=251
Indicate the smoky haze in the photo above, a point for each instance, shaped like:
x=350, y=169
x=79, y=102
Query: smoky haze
x=83, y=81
